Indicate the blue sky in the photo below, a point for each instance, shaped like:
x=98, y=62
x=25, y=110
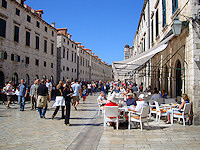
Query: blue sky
x=104, y=26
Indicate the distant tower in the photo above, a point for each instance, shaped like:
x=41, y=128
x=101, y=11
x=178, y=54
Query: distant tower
x=126, y=52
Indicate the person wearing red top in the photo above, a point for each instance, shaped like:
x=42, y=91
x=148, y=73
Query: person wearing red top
x=111, y=104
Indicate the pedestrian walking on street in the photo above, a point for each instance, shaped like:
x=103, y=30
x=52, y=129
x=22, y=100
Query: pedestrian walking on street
x=68, y=96
x=59, y=100
x=9, y=93
x=84, y=93
x=23, y=90
x=42, y=93
x=49, y=86
x=32, y=96
x=77, y=92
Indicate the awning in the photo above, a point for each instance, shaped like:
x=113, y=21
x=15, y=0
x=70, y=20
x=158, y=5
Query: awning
x=128, y=65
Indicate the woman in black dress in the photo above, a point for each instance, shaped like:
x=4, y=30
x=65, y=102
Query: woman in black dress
x=67, y=93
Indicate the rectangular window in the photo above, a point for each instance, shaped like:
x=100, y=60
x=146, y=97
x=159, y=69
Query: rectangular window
x=38, y=24
x=36, y=62
x=28, y=18
x=83, y=61
x=152, y=31
x=45, y=46
x=198, y=1
x=45, y=63
x=12, y=57
x=72, y=57
x=27, y=38
x=45, y=29
x=174, y=5
x=37, y=42
x=157, y=24
x=52, y=33
x=67, y=54
x=2, y=28
x=52, y=45
x=18, y=58
x=63, y=68
x=26, y=60
x=17, y=12
x=75, y=57
x=63, y=52
x=164, y=12
x=51, y=65
x=16, y=34
x=4, y=4
x=72, y=45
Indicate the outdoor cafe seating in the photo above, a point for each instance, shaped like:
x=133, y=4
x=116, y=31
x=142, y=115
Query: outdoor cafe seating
x=158, y=107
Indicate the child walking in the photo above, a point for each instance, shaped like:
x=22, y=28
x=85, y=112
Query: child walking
x=84, y=93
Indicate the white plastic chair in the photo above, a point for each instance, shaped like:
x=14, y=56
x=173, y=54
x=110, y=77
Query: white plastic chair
x=111, y=114
x=141, y=118
x=152, y=111
x=182, y=115
x=159, y=112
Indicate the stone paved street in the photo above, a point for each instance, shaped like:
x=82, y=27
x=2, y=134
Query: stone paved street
x=25, y=130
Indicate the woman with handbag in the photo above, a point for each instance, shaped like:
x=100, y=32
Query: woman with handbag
x=59, y=100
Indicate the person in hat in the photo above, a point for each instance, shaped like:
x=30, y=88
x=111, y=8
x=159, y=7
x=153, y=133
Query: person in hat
x=141, y=104
x=130, y=100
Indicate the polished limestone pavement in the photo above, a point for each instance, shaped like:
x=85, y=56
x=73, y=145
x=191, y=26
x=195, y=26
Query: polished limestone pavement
x=25, y=130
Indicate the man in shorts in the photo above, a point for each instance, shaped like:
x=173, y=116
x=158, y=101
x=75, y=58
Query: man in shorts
x=77, y=92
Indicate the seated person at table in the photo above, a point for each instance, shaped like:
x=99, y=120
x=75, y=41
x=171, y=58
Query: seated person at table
x=117, y=90
x=130, y=100
x=163, y=94
x=185, y=100
x=155, y=95
x=102, y=98
x=111, y=103
x=141, y=104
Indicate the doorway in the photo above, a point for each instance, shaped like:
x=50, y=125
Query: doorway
x=178, y=79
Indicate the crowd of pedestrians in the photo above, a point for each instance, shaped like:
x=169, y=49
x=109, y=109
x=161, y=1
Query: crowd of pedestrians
x=67, y=94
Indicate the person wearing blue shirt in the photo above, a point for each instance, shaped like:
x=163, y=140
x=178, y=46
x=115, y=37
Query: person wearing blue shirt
x=76, y=88
x=117, y=90
x=23, y=90
x=130, y=100
x=163, y=94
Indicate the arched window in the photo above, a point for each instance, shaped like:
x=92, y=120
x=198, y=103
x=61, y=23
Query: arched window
x=15, y=78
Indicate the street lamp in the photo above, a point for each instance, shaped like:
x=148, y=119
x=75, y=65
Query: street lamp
x=177, y=26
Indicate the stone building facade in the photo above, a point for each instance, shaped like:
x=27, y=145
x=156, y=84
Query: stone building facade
x=29, y=49
x=27, y=43
x=176, y=69
x=77, y=62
